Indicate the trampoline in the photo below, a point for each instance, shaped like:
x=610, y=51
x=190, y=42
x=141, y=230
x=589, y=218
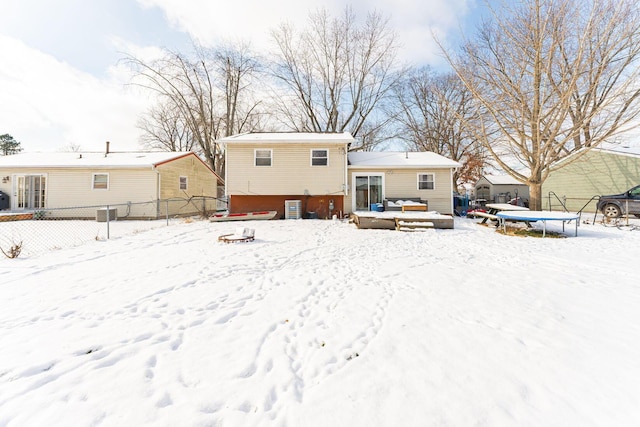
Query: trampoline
x=543, y=216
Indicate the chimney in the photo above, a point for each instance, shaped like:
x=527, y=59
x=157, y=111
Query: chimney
x=107, y=149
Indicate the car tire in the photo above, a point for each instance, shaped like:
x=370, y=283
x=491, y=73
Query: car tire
x=611, y=211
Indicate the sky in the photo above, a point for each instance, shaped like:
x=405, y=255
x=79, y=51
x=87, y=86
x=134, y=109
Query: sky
x=343, y=327
x=63, y=84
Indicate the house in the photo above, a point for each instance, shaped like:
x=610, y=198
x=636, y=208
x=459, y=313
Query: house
x=500, y=189
x=375, y=176
x=134, y=181
x=264, y=170
x=608, y=169
x=273, y=171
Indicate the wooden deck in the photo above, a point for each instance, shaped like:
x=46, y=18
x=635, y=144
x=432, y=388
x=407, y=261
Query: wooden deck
x=15, y=216
x=402, y=221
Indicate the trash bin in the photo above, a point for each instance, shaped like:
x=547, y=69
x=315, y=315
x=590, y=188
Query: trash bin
x=4, y=201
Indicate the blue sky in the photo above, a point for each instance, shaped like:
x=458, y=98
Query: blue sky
x=61, y=82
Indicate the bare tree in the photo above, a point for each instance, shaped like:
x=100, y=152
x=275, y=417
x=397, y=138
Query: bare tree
x=553, y=77
x=71, y=147
x=165, y=129
x=436, y=113
x=201, y=98
x=337, y=75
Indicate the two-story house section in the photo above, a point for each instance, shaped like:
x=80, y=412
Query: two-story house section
x=269, y=171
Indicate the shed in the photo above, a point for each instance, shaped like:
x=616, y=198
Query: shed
x=500, y=189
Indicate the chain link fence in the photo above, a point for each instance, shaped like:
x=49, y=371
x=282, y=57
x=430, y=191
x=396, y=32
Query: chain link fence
x=32, y=232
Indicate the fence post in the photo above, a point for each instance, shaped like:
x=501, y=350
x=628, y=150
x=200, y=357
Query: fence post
x=108, y=222
x=167, y=212
x=627, y=210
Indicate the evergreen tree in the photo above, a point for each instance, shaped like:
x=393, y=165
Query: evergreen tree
x=8, y=145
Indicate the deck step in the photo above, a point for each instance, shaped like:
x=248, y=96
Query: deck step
x=404, y=225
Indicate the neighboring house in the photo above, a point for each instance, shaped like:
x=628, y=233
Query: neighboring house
x=265, y=170
x=609, y=169
x=378, y=175
x=72, y=179
x=500, y=189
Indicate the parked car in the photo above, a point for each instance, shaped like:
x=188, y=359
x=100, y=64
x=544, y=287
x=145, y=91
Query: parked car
x=616, y=205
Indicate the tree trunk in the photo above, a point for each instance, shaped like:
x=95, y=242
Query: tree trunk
x=535, y=196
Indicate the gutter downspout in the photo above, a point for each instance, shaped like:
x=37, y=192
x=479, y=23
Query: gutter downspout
x=346, y=171
x=157, y=191
x=453, y=208
x=226, y=181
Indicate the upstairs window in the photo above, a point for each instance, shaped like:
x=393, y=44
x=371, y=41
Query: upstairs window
x=319, y=157
x=426, y=181
x=100, y=181
x=263, y=157
x=183, y=182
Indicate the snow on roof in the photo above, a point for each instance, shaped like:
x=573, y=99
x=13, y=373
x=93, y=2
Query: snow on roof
x=502, y=180
x=623, y=149
x=92, y=159
x=288, y=137
x=399, y=159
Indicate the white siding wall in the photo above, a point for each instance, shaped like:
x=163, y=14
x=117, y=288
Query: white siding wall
x=290, y=173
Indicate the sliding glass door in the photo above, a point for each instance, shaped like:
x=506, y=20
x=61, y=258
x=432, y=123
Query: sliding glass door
x=30, y=191
x=369, y=190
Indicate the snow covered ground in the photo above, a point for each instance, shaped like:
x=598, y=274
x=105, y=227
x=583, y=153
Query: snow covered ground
x=317, y=323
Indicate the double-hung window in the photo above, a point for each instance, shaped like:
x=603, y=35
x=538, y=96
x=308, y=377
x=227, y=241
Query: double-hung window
x=263, y=157
x=100, y=181
x=319, y=157
x=426, y=181
x=183, y=183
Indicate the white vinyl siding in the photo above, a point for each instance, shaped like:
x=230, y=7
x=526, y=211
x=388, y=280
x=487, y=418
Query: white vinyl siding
x=291, y=172
x=320, y=157
x=263, y=157
x=100, y=181
x=426, y=181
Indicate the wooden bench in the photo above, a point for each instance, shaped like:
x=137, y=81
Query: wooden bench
x=420, y=207
x=390, y=203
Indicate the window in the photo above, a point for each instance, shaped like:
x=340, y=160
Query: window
x=426, y=181
x=263, y=157
x=319, y=157
x=100, y=181
x=183, y=182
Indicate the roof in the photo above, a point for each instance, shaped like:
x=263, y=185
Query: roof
x=92, y=159
x=502, y=180
x=399, y=159
x=289, y=137
x=626, y=150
